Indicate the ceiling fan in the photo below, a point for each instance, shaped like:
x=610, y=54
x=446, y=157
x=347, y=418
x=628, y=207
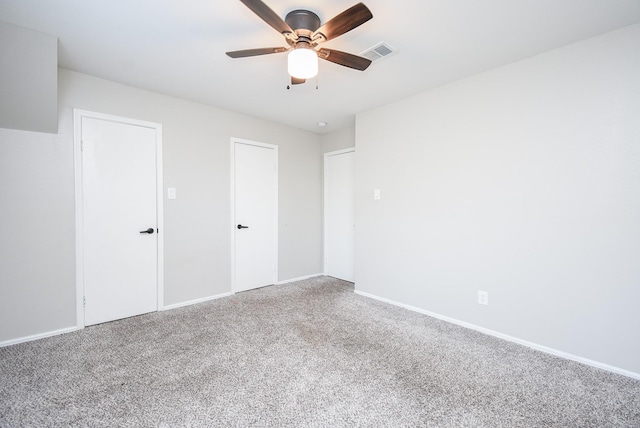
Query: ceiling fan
x=303, y=33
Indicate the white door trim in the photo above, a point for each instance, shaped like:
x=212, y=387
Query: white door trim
x=325, y=213
x=232, y=199
x=77, y=155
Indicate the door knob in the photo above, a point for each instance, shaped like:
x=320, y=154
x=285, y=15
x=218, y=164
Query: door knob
x=149, y=231
x=242, y=227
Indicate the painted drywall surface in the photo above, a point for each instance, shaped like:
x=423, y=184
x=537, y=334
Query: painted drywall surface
x=300, y=208
x=339, y=140
x=523, y=181
x=28, y=86
x=37, y=233
x=196, y=146
x=37, y=172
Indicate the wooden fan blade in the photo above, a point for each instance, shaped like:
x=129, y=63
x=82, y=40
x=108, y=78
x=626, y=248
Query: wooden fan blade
x=296, y=81
x=255, y=52
x=269, y=16
x=345, y=59
x=344, y=22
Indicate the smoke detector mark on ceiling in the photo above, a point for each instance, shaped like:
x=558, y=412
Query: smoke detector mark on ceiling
x=379, y=51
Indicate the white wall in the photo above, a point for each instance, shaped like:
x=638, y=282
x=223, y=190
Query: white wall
x=338, y=140
x=523, y=181
x=37, y=268
x=37, y=184
x=28, y=87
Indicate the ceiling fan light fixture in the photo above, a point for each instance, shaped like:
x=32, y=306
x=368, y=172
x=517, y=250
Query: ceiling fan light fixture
x=303, y=32
x=303, y=63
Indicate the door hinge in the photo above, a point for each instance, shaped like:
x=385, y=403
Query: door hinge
x=81, y=145
x=84, y=301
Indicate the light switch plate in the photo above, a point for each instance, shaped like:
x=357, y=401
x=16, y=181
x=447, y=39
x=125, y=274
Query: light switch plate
x=483, y=297
x=376, y=194
x=171, y=193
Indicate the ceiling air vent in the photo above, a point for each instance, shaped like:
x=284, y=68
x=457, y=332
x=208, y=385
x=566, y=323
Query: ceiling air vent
x=377, y=52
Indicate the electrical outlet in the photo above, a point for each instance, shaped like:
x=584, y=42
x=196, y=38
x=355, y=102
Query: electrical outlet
x=483, y=297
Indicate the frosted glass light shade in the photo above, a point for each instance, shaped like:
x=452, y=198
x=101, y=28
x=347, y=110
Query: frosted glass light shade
x=303, y=63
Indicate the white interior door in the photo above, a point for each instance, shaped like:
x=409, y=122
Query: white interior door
x=119, y=204
x=339, y=206
x=255, y=209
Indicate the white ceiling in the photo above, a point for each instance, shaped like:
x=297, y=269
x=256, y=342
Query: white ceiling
x=178, y=47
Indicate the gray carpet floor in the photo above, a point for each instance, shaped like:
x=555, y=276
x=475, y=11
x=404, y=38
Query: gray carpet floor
x=311, y=353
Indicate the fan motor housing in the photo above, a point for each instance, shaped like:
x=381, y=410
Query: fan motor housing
x=301, y=19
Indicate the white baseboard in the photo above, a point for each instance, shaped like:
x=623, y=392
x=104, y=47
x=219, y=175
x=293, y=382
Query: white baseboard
x=513, y=339
x=287, y=281
x=38, y=336
x=196, y=301
x=75, y=328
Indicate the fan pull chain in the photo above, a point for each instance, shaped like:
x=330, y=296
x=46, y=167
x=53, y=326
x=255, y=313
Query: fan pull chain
x=317, y=84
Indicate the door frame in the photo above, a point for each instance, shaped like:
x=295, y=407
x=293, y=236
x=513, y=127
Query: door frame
x=232, y=199
x=325, y=212
x=79, y=203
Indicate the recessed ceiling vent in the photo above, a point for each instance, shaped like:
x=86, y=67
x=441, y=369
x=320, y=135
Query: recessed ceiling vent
x=379, y=51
